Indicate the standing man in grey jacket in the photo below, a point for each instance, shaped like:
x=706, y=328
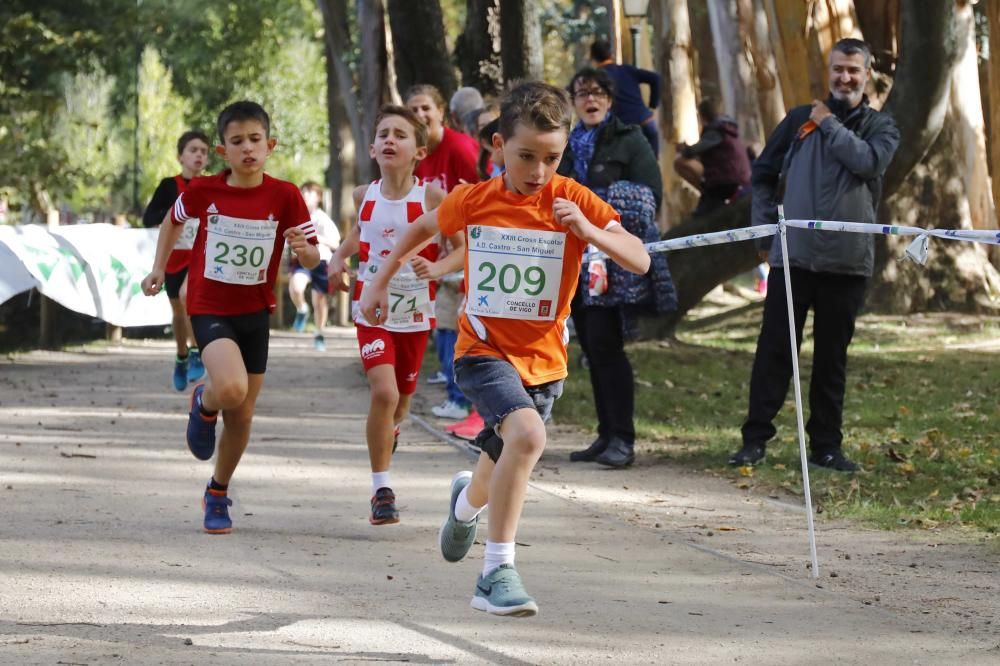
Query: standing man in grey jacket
x=826, y=160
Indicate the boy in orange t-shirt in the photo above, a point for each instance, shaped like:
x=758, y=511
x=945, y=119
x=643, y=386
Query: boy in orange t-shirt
x=525, y=238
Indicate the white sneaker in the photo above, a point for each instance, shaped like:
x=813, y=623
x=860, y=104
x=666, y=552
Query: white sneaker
x=450, y=410
x=437, y=378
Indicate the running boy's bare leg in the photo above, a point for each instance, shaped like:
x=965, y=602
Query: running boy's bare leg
x=381, y=422
x=236, y=431
x=523, y=435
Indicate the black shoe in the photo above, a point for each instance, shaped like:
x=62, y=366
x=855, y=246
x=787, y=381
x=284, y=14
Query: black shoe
x=618, y=454
x=588, y=454
x=384, y=510
x=835, y=460
x=750, y=454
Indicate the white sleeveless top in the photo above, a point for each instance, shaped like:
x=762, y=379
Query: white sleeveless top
x=383, y=222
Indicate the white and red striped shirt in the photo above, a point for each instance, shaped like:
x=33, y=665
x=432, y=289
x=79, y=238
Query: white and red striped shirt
x=382, y=223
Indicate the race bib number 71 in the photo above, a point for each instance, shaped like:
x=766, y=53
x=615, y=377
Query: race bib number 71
x=514, y=273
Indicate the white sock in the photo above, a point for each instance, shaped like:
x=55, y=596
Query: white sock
x=304, y=309
x=464, y=511
x=497, y=554
x=380, y=480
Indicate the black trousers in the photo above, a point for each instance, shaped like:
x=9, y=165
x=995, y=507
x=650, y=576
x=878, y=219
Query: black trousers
x=599, y=330
x=835, y=300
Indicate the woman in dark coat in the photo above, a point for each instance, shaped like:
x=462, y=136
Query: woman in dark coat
x=615, y=161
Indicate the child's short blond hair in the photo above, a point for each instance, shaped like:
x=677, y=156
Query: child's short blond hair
x=538, y=105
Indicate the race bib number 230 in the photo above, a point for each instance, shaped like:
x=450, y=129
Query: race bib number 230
x=514, y=273
x=238, y=251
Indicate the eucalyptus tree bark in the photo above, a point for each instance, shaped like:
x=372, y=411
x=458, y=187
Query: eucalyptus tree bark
x=753, y=23
x=678, y=115
x=993, y=16
x=928, y=52
x=521, y=40
x=877, y=20
x=739, y=91
x=338, y=44
x=706, y=68
x=420, y=52
x=477, y=49
x=372, y=73
x=948, y=186
x=800, y=66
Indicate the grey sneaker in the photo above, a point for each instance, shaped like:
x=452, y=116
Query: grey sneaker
x=456, y=537
x=501, y=592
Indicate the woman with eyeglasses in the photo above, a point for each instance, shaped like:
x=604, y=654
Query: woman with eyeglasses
x=616, y=162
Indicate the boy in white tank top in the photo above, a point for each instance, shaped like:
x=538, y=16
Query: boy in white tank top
x=392, y=352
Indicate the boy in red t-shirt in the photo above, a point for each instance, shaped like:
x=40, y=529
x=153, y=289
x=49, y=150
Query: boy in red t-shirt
x=526, y=235
x=392, y=351
x=192, y=153
x=245, y=217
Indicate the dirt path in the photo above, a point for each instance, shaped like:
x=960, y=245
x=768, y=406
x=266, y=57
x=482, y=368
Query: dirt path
x=102, y=559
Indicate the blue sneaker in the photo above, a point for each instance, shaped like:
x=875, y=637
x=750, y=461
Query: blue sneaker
x=501, y=592
x=216, y=506
x=299, y=324
x=456, y=537
x=181, y=373
x=201, y=428
x=196, y=369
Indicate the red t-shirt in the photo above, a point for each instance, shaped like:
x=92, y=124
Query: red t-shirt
x=453, y=159
x=234, y=261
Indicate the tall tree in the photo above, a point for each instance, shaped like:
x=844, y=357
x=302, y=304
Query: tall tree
x=421, y=55
x=372, y=75
x=939, y=175
x=521, y=40
x=338, y=46
x=477, y=49
x=678, y=115
x=993, y=18
x=753, y=24
x=739, y=93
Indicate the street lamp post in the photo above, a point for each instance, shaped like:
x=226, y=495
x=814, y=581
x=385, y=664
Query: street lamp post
x=635, y=9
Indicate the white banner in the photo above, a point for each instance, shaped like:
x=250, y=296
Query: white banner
x=94, y=269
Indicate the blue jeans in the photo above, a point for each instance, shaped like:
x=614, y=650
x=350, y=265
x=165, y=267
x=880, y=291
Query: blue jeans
x=497, y=390
x=444, y=340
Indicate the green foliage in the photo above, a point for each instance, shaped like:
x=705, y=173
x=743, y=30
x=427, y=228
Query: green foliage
x=293, y=90
x=917, y=418
x=84, y=131
x=162, y=114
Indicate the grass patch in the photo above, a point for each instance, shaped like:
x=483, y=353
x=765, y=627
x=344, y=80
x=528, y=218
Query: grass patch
x=920, y=416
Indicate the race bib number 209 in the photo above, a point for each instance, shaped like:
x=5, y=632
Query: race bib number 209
x=514, y=273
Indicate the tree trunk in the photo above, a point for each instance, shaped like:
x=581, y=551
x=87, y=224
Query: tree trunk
x=371, y=71
x=832, y=21
x=337, y=46
x=800, y=66
x=678, y=115
x=336, y=119
x=420, y=55
x=878, y=20
x=929, y=49
x=699, y=270
x=738, y=90
x=706, y=68
x=753, y=22
x=521, y=40
x=477, y=49
x=993, y=16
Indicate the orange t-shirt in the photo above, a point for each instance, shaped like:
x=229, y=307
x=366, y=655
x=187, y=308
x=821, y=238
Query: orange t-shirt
x=536, y=347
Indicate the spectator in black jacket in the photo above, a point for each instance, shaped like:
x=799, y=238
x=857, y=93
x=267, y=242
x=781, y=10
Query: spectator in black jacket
x=603, y=150
x=826, y=161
